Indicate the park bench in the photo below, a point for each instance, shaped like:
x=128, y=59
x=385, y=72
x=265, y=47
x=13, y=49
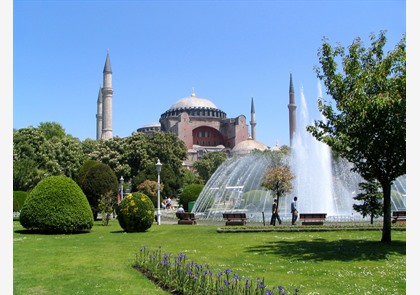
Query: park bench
x=186, y=218
x=235, y=218
x=399, y=216
x=312, y=218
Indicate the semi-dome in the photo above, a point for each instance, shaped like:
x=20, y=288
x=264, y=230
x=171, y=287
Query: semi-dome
x=193, y=102
x=246, y=146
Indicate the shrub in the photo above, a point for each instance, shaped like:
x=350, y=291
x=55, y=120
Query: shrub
x=149, y=188
x=57, y=204
x=87, y=165
x=190, y=193
x=99, y=181
x=19, y=198
x=136, y=213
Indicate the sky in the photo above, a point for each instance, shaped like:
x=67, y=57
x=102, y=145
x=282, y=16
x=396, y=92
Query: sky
x=53, y=53
x=228, y=51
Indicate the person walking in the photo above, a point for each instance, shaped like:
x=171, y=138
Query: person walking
x=275, y=213
x=294, y=210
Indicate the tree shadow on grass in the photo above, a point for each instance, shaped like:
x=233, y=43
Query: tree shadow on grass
x=322, y=250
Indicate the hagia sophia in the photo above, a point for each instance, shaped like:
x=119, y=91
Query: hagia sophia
x=198, y=122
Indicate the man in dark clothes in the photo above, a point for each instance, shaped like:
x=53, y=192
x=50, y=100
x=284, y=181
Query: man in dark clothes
x=294, y=210
x=275, y=214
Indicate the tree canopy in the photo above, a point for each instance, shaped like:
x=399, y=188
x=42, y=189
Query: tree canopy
x=46, y=150
x=367, y=123
x=278, y=179
x=207, y=165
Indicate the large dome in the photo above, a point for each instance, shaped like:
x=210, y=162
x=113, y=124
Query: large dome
x=246, y=146
x=193, y=102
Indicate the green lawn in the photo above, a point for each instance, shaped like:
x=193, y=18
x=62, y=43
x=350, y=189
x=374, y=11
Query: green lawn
x=100, y=262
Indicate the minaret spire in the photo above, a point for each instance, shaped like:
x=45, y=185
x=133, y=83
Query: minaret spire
x=253, y=122
x=107, y=92
x=99, y=114
x=292, y=111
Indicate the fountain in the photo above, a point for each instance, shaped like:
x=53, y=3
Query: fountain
x=322, y=184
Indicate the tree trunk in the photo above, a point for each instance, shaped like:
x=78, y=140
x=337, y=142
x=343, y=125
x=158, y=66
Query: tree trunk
x=386, y=231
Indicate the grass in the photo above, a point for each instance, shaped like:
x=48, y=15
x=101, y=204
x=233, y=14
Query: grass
x=318, y=262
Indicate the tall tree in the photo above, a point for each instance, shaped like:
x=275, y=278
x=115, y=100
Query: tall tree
x=367, y=124
x=99, y=183
x=206, y=166
x=33, y=158
x=52, y=129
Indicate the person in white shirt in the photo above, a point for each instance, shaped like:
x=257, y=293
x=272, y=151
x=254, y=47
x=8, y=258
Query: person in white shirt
x=180, y=209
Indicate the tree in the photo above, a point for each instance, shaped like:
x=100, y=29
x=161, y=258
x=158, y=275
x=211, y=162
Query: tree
x=106, y=206
x=278, y=179
x=112, y=153
x=190, y=194
x=33, y=158
x=52, y=129
x=68, y=154
x=99, y=181
x=371, y=199
x=149, y=188
x=367, y=124
x=84, y=169
x=207, y=165
x=42, y=152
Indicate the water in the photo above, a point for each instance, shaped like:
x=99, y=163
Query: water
x=322, y=184
x=235, y=186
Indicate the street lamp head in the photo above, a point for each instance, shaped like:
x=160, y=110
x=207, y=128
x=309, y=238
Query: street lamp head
x=158, y=166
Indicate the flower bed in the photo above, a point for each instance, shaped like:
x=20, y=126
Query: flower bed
x=181, y=277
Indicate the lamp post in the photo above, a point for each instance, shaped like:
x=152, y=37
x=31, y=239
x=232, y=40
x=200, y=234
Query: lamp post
x=158, y=169
x=121, y=194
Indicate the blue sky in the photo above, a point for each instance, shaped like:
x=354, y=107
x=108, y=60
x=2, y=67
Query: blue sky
x=229, y=51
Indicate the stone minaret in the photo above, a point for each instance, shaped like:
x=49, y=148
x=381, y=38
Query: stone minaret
x=99, y=115
x=292, y=111
x=107, y=100
x=253, y=122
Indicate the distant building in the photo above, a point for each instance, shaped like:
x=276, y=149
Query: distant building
x=198, y=122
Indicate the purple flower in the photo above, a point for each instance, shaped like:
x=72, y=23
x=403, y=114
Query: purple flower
x=268, y=292
x=280, y=288
x=236, y=277
x=261, y=284
x=227, y=283
x=228, y=271
x=142, y=248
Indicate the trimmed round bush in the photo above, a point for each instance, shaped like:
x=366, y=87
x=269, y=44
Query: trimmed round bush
x=136, y=213
x=57, y=204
